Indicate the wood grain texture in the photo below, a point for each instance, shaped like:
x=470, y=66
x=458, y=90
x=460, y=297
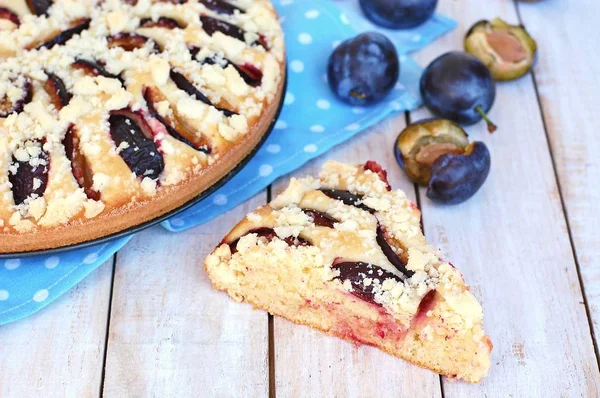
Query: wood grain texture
x=171, y=334
x=311, y=364
x=511, y=243
x=568, y=81
x=59, y=351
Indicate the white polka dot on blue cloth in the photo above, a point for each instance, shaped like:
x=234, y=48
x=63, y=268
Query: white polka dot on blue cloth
x=286, y=2
x=344, y=19
x=280, y=125
x=3, y=295
x=12, y=264
x=51, y=262
x=353, y=127
x=395, y=105
x=265, y=170
x=177, y=222
x=90, y=258
x=289, y=99
x=273, y=148
x=336, y=43
x=325, y=77
x=305, y=38
x=317, y=128
x=311, y=14
x=220, y=200
x=416, y=38
x=310, y=148
x=358, y=110
x=40, y=295
x=399, y=86
x=323, y=104
x=297, y=66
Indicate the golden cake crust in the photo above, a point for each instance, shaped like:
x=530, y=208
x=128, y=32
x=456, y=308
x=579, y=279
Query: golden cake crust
x=188, y=172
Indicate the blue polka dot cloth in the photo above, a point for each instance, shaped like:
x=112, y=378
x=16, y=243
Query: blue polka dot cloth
x=312, y=121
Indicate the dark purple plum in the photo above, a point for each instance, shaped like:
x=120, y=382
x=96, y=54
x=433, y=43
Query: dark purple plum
x=250, y=73
x=141, y=153
x=221, y=7
x=8, y=15
x=212, y=25
x=93, y=68
x=320, y=219
x=387, y=249
x=347, y=198
x=162, y=22
x=398, y=14
x=173, y=124
x=455, y=178
x=66, y=35
x=7, y=107
x=357, y=272
x=436, y=153
x=29, y=179
x=184, y=84
x=459, y=87
x=269, y=234
x=79, y=165
x=130, y=41
x=56, y=89
x=364, y=69
x=39, y=7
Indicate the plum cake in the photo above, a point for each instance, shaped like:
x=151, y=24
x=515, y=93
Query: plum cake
x=114, y=112
x=345, y=254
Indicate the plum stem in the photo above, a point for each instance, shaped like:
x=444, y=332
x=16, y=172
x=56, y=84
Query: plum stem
x=491, y=126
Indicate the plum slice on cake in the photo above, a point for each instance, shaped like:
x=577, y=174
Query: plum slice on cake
x=345, y=254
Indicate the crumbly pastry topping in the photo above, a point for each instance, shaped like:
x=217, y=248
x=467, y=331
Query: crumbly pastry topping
x=105, y=103
x=365, y=238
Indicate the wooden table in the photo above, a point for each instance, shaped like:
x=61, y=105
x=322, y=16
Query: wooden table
x=147, y=323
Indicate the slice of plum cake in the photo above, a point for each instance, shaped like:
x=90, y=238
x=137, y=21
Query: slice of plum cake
x=345, y=254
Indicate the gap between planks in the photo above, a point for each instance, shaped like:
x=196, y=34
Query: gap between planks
x=562, y=201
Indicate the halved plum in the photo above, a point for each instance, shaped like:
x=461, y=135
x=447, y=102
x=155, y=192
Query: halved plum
x=79, y=165
x=162, y=22
x=221, y=7
x=94, y=69
x=7, y=107
x=175, y=126
x=66, y=35
x=184, y=84
x=39, y=7
x=437, y=154
x=133, y=137
x=131, y=41
x=30, y=177
x=10, y=16
x=507, y=50
x=380, y=171
x=357, y=272
x=56, y=89
x=212, y=25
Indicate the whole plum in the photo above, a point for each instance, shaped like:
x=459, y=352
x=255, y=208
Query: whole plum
x=398, y=14
x=459, y=87
x=364, y=69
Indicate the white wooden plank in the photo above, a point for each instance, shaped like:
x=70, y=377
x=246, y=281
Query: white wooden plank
x=59, y=351
x=511, y=243
x=171, y=334
x=568, y=81
x=311, y=364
